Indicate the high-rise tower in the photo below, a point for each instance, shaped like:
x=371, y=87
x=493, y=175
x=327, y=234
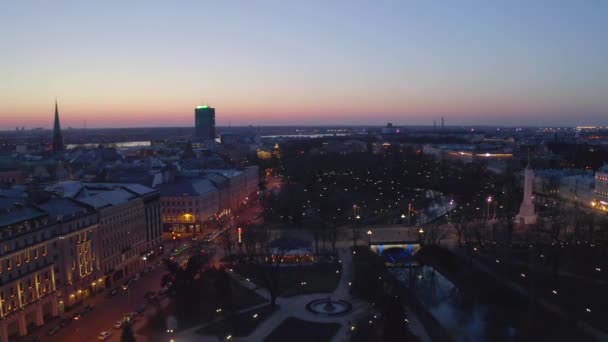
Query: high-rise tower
x=57, y=137
x=204, y=123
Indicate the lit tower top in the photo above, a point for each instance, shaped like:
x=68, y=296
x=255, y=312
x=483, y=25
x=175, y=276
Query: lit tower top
x=57, y=137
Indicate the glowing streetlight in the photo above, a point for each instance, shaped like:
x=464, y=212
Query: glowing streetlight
x=489, y=201
x=355, y=222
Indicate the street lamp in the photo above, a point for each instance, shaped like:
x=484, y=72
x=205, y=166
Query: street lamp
x=421, y=232
x=355, y=223
x=369, y=237
x=488, y=207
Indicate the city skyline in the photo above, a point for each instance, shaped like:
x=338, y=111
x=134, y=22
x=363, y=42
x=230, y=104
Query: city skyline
x=330, y=63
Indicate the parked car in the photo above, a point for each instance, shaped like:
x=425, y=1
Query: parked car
x=76, y=316
x=53, y=330
x=104, y=335
x=119, y=324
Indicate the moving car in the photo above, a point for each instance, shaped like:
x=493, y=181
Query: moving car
x=76, y=316
x=65, y=321
x=104, y=335
x=112, y=293
x=130, y=316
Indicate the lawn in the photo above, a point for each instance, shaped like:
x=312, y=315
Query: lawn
x=242, y=298
x=297, y=280
x=242, y=324
x=297, y=330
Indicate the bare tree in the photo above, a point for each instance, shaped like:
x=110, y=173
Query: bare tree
x=459, y=227
x=265, y=259
x=434, y=233
x=227, y=239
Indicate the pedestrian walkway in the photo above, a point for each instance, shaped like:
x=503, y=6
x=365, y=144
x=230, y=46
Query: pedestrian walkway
x=296, y=307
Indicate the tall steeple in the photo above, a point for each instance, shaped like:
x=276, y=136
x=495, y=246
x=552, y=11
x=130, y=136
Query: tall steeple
x=57, y=137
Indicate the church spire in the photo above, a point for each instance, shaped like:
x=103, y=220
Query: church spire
x=57, y=137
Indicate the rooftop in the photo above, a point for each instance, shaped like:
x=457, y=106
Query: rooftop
x=187, y=187
x=20, y=214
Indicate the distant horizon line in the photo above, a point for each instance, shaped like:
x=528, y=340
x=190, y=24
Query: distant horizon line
x=438, y=127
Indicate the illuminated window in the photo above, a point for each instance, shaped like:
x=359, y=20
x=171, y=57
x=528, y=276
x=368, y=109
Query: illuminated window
x=44, y=250
x=18, y=260
x=27, y=256
x=36, y=253
x=9, y=264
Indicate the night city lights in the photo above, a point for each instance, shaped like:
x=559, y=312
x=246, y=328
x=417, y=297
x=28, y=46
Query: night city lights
x=327, y=171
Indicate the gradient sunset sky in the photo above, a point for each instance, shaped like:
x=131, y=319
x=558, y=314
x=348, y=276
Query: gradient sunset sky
x=149, y=63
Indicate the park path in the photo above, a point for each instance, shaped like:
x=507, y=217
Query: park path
x=296, y=307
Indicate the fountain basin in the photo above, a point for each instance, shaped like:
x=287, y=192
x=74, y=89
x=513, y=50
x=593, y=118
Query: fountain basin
x=329, y=307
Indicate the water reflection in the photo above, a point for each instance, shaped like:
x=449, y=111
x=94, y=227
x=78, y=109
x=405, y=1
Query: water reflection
x=465, y=318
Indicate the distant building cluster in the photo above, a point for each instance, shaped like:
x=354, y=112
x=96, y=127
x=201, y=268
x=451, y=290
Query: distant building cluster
x=198, y=196
x=78, y=219
x=574, y=186
x=600, y=201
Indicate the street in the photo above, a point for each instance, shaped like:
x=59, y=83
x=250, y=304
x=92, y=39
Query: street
x=106, y=311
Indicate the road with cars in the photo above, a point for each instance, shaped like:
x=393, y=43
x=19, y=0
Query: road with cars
x=105, y=312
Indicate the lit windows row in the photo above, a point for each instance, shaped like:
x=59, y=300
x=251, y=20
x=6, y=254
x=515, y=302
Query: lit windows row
x=25, y=256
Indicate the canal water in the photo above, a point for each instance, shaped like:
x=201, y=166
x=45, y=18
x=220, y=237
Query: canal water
x=463, y=316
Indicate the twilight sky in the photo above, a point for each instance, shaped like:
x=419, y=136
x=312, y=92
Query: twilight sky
x=149, y=63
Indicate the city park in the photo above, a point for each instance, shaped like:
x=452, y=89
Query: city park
x=394, y=246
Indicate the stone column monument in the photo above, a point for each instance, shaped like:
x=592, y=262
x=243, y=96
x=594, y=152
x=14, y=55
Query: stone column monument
x=527, y=214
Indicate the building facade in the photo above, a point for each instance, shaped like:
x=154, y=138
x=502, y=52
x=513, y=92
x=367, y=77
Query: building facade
x=48, y=261
x=129, y=224
x=193, y=199
x=601, y=189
